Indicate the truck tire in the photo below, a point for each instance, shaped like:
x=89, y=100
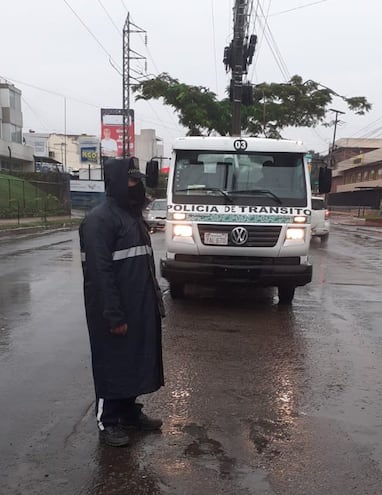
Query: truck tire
x=324, y=239
x=286, y=294
x=176, y=290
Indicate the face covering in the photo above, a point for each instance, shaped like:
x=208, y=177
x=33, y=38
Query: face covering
x=136, y=198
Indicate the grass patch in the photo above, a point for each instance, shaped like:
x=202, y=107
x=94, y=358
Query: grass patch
x=18, y=196
x=374, y=218
x=13, y=189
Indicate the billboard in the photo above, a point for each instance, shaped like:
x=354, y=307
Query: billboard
x=112, y=133
x=89, y=154
x=87, y=186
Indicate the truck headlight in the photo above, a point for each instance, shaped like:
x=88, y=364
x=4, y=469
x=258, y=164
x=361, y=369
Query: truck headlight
x=300, y=219
x=180, y=230
x=295, y=234
x=179, y=216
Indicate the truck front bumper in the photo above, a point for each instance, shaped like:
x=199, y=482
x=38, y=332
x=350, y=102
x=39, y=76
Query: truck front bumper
x=262, y=272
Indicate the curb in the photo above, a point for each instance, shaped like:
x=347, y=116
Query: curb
x=25, y=231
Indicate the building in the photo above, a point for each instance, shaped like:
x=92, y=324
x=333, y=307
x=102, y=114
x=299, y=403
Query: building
x=76, y=152
x=148, y=146
x=43, y=159
x=63, y=152
x=357, y=176
x=358, y=164
x=14, y=155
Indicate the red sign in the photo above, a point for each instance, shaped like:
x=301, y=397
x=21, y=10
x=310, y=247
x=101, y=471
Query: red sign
x=112, y=133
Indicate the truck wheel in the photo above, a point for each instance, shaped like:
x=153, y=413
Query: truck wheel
x=176, y=290
x=324, y=238
x=286, y=294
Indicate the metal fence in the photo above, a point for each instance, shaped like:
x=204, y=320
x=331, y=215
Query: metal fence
x=34, y=195
x=363, y=198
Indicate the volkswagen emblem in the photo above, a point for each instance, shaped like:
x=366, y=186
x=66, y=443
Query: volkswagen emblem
x=239, y=236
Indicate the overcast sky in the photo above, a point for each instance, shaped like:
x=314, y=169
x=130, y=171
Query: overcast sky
x=46, y=45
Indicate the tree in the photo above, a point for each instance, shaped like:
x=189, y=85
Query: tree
x=276, y=105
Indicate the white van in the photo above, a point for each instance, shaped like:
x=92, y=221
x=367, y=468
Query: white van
x=238, y=212
x=320, y=224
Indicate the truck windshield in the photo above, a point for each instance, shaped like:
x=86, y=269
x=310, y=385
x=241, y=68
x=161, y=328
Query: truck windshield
x=247, y=178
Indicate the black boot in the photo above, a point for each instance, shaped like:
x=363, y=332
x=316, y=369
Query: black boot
x=135, y=418
x=114, y=436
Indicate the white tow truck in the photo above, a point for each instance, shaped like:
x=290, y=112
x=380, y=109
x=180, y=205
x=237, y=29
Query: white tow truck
x=239, y=211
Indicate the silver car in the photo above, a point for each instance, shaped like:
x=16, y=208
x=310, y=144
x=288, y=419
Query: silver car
x=156, y=214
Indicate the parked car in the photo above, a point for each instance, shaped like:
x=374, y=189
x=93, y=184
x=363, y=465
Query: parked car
x=320, y=220
x=156, y=214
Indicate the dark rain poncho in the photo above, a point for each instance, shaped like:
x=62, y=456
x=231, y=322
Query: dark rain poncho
x=120, y=287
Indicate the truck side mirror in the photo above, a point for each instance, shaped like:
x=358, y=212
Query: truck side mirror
x=325, y=180
x=152, y=173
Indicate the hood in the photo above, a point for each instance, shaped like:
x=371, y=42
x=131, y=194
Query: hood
x=117, y=173
x=116, y=177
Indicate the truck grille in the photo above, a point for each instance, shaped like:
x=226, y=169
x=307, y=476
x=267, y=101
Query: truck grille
x=237, y=260
x=258, y=236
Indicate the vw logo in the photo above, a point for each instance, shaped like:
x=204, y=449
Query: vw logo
x=239, y=236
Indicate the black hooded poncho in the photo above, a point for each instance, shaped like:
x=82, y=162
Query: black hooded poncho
x=120, y=287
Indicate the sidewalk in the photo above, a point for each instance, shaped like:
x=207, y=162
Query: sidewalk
x=355, y=225
x=32, y=225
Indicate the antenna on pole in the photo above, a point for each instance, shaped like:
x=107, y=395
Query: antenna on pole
x=128, y=54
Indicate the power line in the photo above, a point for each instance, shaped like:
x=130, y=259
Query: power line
x=111, y=61
x=297, y=8
x=276, y=56
x=250, y=10
x=275, y=50
x=155, y=67
x=262, y=33
x=49, y=91
x=375, y=133
x=35, y=114
x=368, y=127
x=157, y=122
x=269, y=38
x=109, y=17
x=253, y=29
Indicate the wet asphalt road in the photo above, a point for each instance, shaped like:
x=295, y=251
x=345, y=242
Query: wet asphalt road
x=259, y=399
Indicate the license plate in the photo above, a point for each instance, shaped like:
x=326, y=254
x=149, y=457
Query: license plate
x=216, y=238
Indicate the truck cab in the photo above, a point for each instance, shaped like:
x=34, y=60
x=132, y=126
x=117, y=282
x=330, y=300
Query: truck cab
x=239, y=212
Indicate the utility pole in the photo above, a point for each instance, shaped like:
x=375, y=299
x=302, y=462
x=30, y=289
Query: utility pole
x=336, y=121
x=128, y=54
x=240, y=18
x=65, y=138
x=237, y=57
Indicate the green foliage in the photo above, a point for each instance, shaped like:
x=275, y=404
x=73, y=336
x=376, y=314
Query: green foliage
x=276, y=106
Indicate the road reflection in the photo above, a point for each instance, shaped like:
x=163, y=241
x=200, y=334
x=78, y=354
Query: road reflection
x=120, y=472
x=15, y=300
x=233, y=361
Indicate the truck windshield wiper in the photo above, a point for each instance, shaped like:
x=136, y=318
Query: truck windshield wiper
x=208, y=189
x=258, y=191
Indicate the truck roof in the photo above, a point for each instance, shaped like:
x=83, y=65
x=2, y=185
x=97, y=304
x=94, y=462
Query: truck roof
x=208, y=143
